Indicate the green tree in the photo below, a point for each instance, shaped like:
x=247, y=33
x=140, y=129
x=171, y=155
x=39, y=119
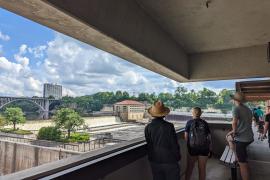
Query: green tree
x=182, y=98
x=223, y=101
x=68, y=119
x=193, y=98
x=206, y=98
x=166, y=98
x=125, y=95
x=150, y=98
x=118, y=96
x=14, y=116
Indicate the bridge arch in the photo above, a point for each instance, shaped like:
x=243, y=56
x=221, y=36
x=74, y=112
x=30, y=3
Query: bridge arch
x=29, y=100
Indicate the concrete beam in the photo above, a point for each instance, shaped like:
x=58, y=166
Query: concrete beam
x=120, y=27
x=249, y=62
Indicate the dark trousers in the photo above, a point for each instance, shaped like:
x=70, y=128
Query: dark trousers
x=269, y=137
x=165, y=171
x=241, y=151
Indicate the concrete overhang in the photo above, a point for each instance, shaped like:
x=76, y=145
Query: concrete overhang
x=254, y=90
x=183, y=40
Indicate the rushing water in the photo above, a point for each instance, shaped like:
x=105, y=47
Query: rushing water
x=35, y=125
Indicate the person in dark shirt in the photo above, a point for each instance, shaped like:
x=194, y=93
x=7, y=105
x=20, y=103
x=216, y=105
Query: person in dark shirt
x=162, y=145
x=266, y=125
x=199, y=152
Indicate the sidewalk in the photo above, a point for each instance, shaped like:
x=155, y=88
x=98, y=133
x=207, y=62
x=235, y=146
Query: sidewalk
x=259, y=158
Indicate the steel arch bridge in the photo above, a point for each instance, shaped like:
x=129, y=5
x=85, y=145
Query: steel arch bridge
x=42, y=103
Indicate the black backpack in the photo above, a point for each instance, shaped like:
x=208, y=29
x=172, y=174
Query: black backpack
x=198, y=135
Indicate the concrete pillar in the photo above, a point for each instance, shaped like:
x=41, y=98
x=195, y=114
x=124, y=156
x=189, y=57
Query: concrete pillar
x=267, y=106
x=36, y=157
x=46, y=109
x=14, y=158
x=41, y=114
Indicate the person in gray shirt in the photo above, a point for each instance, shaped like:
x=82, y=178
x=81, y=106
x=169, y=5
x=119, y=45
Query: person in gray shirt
x=241, y=134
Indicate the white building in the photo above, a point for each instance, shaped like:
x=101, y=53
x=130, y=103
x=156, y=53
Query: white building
x=52, y=90
x=130, y=110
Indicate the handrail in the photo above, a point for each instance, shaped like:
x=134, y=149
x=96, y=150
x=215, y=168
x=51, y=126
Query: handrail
x=73, y=163
x=79, y=147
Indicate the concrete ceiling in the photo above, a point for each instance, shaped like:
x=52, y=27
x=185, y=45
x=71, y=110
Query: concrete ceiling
x=225, y=24
x=181, y=39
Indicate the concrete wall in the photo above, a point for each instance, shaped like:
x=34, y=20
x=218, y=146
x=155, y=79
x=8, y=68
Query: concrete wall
x=250, y=62
x=15, y=157
x=129, y=163
x=17, y=135
x=140, y=169
x=218, y=133
x=101, y=121
x=135, y=116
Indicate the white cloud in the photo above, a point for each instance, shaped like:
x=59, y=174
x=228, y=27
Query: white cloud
x=68, y=92
x=38, y=52
x=23, y=49
x=7, y=66
x=81, y=69
x=86, y=70
x=24, y=61
x=4, y=37
x=17, y=78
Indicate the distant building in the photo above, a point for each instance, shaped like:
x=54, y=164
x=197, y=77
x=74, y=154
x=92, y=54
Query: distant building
x=129, y=110
x=50, y=90
x=107, y=108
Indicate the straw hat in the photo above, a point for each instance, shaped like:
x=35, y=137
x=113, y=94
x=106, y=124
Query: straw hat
x=158, y=110
x=238, y=96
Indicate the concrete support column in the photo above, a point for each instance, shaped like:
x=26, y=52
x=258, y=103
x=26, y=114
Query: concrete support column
x=14, y=158
x=267, y=106
x=46, y=109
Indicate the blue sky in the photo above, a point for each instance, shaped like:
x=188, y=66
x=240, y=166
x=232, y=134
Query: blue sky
x=32, y=54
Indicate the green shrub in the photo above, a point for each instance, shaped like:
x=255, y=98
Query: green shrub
x=6, y=130
x=79, y=137
x=49, y=133
x=16, y=131
x=2, y=120
x=23, y=132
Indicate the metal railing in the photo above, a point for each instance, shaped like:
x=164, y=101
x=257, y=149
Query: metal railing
x=79, y=147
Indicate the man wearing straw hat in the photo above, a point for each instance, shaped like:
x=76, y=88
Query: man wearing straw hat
x=241, y=134
x=162, y=146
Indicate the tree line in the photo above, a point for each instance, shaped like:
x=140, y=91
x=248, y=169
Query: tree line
x=182, y=97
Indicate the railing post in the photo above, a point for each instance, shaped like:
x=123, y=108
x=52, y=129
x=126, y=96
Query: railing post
x=59, y=154
x=89, y=147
